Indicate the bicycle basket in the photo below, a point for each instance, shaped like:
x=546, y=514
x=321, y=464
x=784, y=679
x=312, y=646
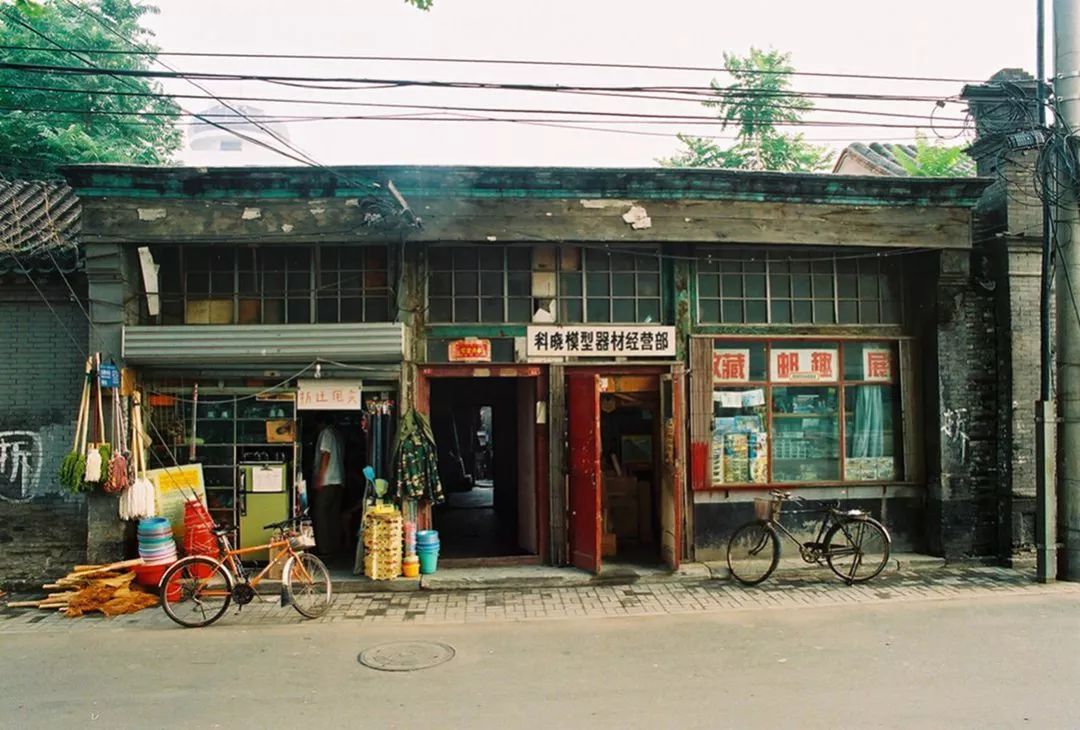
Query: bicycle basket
x=303, y=538
x=767, y=509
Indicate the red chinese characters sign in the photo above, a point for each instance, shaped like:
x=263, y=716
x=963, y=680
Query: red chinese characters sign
x=731, y=366
x=804, y=365
x=328, y=395
x=470, y=350
x=877, y=364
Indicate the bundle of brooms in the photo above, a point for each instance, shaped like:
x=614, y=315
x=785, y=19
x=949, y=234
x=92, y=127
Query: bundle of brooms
x=107, y=589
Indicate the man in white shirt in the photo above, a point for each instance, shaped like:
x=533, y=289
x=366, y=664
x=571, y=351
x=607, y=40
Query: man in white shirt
x=329, y=488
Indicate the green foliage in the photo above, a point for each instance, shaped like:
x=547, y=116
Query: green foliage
x=34, y=143
x=754, y=104
x=936, y=160
x=420, y=4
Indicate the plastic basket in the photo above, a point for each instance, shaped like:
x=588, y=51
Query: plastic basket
x=767, y=509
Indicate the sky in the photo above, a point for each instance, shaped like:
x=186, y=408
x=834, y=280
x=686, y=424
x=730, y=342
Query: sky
x=957, y=39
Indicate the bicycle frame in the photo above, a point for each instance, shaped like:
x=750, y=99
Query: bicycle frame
x=231, y=562
x=813, y=551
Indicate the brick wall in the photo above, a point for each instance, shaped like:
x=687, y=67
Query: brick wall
x=42, y=529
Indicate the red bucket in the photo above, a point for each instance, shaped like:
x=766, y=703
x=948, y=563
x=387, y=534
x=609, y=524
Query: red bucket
x=151, y=575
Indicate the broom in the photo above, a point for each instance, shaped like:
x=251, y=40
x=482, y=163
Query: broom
x=118, y=465
x=97, y=456
x=137, y=501
x=73, y=466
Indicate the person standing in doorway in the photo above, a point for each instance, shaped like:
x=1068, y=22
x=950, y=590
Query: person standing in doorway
x=329, y=487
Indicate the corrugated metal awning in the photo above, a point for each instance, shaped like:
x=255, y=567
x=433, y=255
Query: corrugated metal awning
x=259, y=345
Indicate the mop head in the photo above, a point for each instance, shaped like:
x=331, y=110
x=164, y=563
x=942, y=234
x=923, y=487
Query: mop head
x=93, y=465
x=72, y=471
x=137, y=501
x=118, y=474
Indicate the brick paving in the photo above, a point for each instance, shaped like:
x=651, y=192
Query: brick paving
x=592, y=601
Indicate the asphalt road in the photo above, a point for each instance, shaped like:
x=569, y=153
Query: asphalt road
x=985, y=662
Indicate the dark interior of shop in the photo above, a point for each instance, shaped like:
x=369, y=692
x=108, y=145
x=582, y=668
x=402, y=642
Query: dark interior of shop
x=479, y=439
x=629, y=436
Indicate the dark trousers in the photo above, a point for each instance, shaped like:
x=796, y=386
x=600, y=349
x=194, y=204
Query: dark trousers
x=327, y=518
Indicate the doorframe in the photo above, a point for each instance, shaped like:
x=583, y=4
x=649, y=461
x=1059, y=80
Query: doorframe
x=427, y=373
x=679, y=410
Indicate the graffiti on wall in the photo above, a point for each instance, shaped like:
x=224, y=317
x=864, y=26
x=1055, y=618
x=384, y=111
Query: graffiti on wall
x=954, y=428
x=21, y=459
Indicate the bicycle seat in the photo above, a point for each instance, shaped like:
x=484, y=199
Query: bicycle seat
x=224, y=529
x=779, y=495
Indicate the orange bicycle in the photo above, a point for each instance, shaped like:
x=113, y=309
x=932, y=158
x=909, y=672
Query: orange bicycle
x=197, y=590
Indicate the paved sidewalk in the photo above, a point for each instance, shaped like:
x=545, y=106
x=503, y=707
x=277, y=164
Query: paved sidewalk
x=480, y=606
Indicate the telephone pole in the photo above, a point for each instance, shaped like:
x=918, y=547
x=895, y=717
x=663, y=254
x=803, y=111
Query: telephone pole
x=1067, y=234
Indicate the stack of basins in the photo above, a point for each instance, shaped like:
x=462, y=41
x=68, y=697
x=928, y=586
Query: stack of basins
x=427, y=548
x=157, y=549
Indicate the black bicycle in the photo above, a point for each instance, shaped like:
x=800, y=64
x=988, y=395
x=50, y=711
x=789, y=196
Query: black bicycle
x=854, y=544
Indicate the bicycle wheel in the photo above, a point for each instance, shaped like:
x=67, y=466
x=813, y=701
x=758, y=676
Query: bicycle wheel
x=309, y=585
x=753, y=552
x=857, y=549
x=196, y=591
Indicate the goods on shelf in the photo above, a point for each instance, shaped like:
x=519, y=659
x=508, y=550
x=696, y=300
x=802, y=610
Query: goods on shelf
x=383, y=536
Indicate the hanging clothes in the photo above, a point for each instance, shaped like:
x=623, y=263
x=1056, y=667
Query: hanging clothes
x=416, y=461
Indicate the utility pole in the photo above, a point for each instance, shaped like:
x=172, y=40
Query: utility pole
x=1045, y=420
x=1067, y=233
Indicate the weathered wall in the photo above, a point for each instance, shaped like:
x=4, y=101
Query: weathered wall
x=42, y=529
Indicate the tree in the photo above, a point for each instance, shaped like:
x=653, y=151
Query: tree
x=755, y=104
x=51, y=128
x=936, y=160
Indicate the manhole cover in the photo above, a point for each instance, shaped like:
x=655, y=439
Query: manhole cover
x=406, y=656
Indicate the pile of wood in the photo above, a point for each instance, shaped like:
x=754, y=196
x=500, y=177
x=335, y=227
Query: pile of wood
x=108, y=589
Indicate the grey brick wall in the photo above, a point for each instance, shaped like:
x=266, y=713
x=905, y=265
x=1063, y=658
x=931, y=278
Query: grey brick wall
x=42, y=529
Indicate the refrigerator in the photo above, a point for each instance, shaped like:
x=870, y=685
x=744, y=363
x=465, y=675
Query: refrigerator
x=264, y=498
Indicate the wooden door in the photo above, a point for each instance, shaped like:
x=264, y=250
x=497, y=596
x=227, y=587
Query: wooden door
x=583, y=420
x=671, y=492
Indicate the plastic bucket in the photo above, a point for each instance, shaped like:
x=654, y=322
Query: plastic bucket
x=429, y=561
x=427, y=537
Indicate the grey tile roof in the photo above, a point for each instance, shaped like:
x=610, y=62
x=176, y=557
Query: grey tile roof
x=39, y=226
x=882, y=158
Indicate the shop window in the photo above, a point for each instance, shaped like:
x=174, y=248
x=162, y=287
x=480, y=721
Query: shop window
x=275, y=284
x=573, y=284
x=805, y=412
x=798, y=288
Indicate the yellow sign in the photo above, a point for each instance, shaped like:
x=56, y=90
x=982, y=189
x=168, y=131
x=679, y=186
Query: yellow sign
x=174, y=486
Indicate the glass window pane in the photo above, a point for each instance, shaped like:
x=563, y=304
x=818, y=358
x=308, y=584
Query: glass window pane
x=327, y=310
x=849, y=312
x=802, y=312
x=800, y=286
x=249, y=283
x=570, y=310
x=328, y=258
x=823, y=287
x=519, y=284
x=377, y=309
x=868, y=287
x=873, y=441
x=800, y=267
x=352, y=309
x=847, y=287
x=439, y=259
x=597, y=260
x=755, y=285
x=299, y=282
x=779, y=266
x=805, y=434
x=570, y=285
x=823, y=266
x=440, y=285
x=622, y=262
x=890, y=312
x=622, y=285
x=328, y=279
x=732, y=310
x=868, y=313
x=598, y=310
x=755, y=266
x=465, y=284
x=740, y=453
x=273, y=284
x=709, y=310
x=622, y=310
x=491, y=309
x=197, y=258
x=756, y=312
x=198, y=283
x=518, y=258
x=649, y=310
x=466, y=310
x=708, y=285
x=732, y=285
x=648, y=285
x=374, y=280
x=491, y=258
x=597, y=285
x=519, y=310
x=273, y=311
x=824, y=312
x=298, y=258
x=299, y=311
x=374, y=257
x=779, y=286
x=491, y=284
x=648, y=263
x=781, y=311
x=222, y=283
x=439, y=310
x=466, y=257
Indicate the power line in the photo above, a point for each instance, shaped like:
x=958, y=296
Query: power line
x=515, y=62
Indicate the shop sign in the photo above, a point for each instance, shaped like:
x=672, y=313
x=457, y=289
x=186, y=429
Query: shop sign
x=731, y=366
x=109, y=376
x=173, y=487
x=470, y=350
x=329, y=395
x=803, y=365
x=877, y=364
x=585, y=341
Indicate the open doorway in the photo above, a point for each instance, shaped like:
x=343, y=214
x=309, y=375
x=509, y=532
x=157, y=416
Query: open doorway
x=485, y=434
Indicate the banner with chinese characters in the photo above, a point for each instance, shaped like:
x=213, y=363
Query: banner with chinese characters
x=328, y=395
x=469, y=350
x=609, y=341
x=731, y=366
x=877, y=364
x=803, y=365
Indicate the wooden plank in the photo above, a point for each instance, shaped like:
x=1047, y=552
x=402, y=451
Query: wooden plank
x=557, y=462
x=23, y=604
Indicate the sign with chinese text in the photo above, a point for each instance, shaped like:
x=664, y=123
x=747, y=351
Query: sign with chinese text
x=173, y=486
x=605, y=341
x=803, y=365
x=328, y=395
x=109, y=376
x=731, y=366
x=877, y=364
x=470, y=350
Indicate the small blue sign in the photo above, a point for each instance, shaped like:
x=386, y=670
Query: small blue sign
x=109, y=376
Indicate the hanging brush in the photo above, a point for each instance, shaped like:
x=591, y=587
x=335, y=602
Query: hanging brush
x=95, y=460
x=73, y=467
x=117, y=480
x=137, y=501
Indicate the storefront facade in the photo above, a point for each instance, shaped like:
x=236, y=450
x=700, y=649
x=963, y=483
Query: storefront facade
x=614, y=362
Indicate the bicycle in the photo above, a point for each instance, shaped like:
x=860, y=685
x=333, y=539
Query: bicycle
x=197, y=590
x=848, y=541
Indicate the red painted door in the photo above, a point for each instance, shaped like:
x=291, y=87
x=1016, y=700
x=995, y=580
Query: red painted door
x=583, y=419
x=671, y=493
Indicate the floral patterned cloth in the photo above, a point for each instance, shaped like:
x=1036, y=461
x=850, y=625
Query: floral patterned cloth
x=416, y=463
